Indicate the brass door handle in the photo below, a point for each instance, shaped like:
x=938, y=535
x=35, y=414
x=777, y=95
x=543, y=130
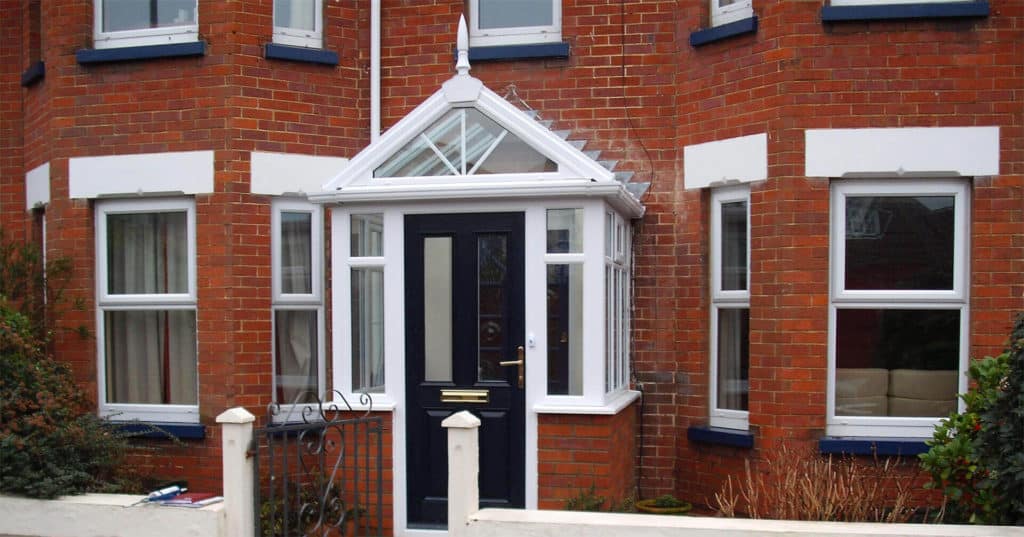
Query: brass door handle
x=521, y=363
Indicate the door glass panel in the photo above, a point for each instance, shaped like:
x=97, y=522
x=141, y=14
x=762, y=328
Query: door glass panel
x=437, y=310
x=492, y=275
x=565, y=334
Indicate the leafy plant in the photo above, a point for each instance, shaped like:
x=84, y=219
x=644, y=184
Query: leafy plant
x=586, y=500
x=51, y=443
x=806, y=486
x=1000, y=437
x=952, y=459
x=668, y=500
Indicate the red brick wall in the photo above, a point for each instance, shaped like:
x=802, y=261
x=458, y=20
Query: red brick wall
x=577, y=452
x=12, y=173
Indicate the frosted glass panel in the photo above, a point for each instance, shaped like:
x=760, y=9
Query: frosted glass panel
x=122, y=15
x=437, y=308
x=368, y=329
x=565, y=334
x=515, y=13
x=296, y=14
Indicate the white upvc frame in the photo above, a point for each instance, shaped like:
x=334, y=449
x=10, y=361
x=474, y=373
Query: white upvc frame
x=144, y=36
x=955, y=299
x=170, y=301
x=286, y=35
x=312, y=301
x=724, y=299
x=739, y=10
x=518, y=35
x=618, y=272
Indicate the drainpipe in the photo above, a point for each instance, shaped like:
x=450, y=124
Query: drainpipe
x=374, y=70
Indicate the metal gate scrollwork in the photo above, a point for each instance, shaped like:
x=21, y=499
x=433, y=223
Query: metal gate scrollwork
x=318, y=469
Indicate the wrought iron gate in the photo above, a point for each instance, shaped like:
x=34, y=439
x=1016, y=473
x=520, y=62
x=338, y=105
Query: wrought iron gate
x=318, y=470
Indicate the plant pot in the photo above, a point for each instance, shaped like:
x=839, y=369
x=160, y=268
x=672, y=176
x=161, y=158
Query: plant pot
x=648, y=506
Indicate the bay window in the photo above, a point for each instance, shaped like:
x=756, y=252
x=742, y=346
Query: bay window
x=297, y=302
x=899, y=305
x=128, y=23
x=147, y=309
x=730, y=307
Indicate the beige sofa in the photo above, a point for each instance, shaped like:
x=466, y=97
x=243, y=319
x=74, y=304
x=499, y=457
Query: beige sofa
x=896, y=392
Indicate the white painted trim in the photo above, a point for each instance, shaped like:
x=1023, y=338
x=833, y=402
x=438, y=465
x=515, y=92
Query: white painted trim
x=185, y=172
x=37, y=186
x=958, y=298
x=743, y=159
x=519, y=35
x=902, y=152
x=725, y=14
x=144, y=36
x=287, y=35
x=104, y=301
x=615, y=402
x=276, y=174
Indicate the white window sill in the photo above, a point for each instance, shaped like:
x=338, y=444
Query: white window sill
x=614, y=403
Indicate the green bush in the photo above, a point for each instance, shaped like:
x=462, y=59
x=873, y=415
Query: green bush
x=51, y=443
x=1000, y=439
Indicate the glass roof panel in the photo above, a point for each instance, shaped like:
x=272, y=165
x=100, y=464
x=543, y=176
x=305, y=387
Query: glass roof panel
x=464, y=142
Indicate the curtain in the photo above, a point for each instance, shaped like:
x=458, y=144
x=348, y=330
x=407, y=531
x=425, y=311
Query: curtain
x=733, y=358
x=150, y=353
x=295, y=14
x=296, y=346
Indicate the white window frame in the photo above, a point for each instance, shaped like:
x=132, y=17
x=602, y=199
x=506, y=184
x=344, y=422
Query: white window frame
x=724, y=299
x=170, y=301
x=617, y=302
x=185, y=33
x=841, y=298
x=740, y=10
x=520, y=35
x=286, y=35
x=313, y=301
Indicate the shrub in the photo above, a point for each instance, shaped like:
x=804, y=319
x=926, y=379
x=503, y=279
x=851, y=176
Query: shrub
x=806, y=486
x=1000, y=438
x=50, y=442
x=952, y=460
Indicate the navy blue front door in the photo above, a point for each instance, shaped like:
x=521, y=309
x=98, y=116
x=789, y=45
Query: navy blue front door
x=464, y=317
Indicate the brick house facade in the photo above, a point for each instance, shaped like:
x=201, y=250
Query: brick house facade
x=762, y=130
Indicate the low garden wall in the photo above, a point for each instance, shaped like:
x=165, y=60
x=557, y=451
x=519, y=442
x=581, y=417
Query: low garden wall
x=107, y=515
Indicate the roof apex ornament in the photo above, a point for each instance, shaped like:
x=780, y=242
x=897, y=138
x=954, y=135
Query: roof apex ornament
x=462, y=45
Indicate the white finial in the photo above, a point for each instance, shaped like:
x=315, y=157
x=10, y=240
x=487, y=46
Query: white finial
x=462, y=45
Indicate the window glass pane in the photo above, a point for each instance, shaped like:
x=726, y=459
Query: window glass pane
x=734, y=246
x=296, y=253
x=296, y=14
x=121, y=15
x=565, y=334
x=150, y=356
x=897, y=362
x=565, y=231
x=368, y=329
x=437, y=310
x=899, y=242
x=515, y=13
x=492, y=306
x=733, y=358
x=147, y=253
x=367, y=235
x=464, y=142
x=296, y=355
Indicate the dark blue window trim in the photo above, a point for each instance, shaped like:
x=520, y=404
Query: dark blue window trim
x=923, y=10
x=181, y=431
x=275, y=51
x=718, y=435
x=724, y=31
x=34, y=73
x=519, y=52
x=872, y=446
x=88, y=56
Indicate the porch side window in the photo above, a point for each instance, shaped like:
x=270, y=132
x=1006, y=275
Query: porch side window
x=147, y=309
x=298, y=311
x=616, y=285
x=730, y=307
x=900, y=307
x=299, y=23
x=133, y=23
x=366, y=263
x=564, y=262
